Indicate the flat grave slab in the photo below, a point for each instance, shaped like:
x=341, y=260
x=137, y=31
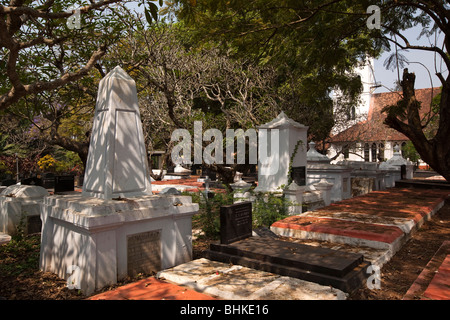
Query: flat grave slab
x=380, y=219
x=374, y=235
x=339, y=269
x=243, y=283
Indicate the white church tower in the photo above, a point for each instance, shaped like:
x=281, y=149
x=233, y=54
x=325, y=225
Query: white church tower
x=367, y=74
x=345, y=119
x=360, y=111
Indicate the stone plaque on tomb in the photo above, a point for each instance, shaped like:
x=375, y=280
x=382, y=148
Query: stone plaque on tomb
x=34, y=224
x=298, y=175
x=64, y=183
x=144, y=252
x=235, y=222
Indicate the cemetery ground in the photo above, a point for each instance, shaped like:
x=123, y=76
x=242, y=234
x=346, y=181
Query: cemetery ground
x=20, y=278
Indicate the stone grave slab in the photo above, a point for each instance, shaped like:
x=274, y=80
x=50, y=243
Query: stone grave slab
x=342, y=270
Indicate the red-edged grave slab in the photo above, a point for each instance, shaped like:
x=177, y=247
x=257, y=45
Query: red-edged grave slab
x=439, y=288
x=353, y=229
x=151, y=289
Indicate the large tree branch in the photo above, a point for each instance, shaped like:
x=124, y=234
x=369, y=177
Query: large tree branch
x=408, y=45
x=19, y=91
x=44, y=13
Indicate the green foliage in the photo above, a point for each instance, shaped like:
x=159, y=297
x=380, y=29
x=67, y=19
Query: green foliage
x=208, y=218
x=313, y=45
x=269, y=208
x=410, y=152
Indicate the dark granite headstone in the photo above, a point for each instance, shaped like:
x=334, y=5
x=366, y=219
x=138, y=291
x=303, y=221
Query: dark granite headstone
x=32, y=182
x=48, y=180
x=64, y=183
x=8, y=182
x=235, y=222
x=298, y=175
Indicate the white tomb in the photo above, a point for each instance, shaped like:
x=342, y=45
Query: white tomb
x=116, y=227
x=397, y=161
x=319, y=168
x=21, y=203
x=273, y=170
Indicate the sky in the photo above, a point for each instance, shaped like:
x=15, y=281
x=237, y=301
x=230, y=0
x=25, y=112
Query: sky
x=388, y=77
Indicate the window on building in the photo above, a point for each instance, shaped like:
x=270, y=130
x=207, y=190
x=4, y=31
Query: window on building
x=351, y=114
x=346, y=151
x=374, y=152
x=366, y=152
x=381, y=152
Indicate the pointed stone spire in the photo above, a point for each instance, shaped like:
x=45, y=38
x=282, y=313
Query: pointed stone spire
x=117, y=160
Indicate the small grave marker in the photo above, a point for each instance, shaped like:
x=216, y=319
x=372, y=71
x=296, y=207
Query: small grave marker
x=64, y=183
x=235, y=222
x=298, y=174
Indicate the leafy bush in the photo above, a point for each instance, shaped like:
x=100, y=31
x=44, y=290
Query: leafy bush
x=269, y=208
x=208, y=218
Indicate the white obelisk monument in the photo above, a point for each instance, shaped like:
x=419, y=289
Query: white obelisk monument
x=115, y=228
x=117, y=161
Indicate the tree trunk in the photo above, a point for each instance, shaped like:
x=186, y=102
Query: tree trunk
x=405, y=118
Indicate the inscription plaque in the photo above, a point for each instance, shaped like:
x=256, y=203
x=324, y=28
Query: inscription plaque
x=34, y=224
x=235, y=222
x=298, y=175
x=144, y=253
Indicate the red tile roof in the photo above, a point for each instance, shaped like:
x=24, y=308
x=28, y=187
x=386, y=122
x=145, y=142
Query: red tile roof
x=373, y=129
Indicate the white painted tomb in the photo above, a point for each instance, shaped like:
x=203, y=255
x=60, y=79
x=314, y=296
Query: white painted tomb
x=116, y=227
x=319, y=167
x=273, y=171
x=366, y=176
x=397, y=161
x=20, y=202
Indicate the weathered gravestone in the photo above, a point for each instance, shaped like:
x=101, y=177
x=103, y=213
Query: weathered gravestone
x=235, y=222
x=21, y=204
x=286, y=139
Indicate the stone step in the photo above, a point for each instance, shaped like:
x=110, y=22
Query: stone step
x=342, y=270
